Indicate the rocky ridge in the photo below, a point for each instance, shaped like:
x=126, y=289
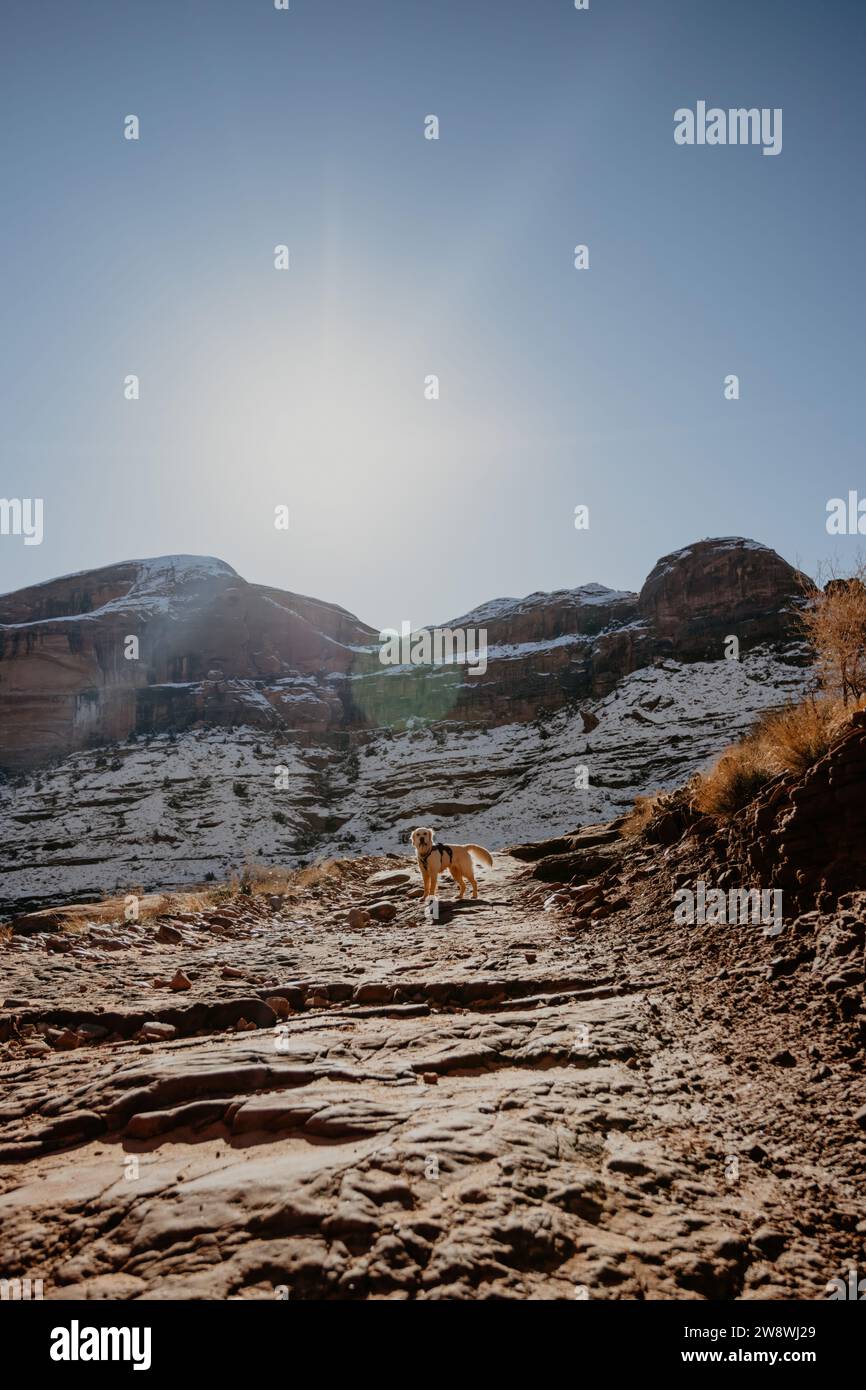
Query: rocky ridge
x=216, y=651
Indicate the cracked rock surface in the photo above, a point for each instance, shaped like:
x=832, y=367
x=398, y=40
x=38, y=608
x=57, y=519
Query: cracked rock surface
x=509, y=1102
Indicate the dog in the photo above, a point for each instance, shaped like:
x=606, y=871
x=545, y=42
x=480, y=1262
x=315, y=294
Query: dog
x=435, y=859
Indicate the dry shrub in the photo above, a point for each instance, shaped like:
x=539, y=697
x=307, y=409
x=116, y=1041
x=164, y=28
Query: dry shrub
x=734, y=779
x=785, y=740
x=637, y=820
x=168, y=903
x=834, y=622
x=320, y=873
x=175, y=902
x=262, y=878
x=78, y=921
x=797, y=736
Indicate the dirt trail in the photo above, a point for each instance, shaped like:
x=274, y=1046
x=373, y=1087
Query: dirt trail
x=499, y=1104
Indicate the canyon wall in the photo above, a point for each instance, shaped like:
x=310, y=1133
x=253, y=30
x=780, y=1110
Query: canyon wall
x=214, y=650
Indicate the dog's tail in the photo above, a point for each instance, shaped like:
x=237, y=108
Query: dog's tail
x=479, y=852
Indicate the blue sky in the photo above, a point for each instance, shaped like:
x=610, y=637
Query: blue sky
x=410, y=257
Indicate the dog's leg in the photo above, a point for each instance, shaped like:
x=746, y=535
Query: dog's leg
x=471, y=876
x=458, y=879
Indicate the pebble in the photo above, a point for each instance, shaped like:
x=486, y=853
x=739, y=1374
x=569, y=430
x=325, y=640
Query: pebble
x=783, y=1058
x=154, y=1031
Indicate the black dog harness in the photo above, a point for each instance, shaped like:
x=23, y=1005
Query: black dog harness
x=443, y=850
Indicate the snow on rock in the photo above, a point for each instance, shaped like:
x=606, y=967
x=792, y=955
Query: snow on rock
x=168, y=811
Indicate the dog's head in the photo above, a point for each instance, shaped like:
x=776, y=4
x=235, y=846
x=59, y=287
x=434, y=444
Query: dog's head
x=422, y=838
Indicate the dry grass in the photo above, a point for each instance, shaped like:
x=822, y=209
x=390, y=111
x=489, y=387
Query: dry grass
x=79, y=919
x=263, y=878
x=797, y=736
x=786, y=740
x=637, y=820
x=112, y=910
x=256, y=879
x=733, y=780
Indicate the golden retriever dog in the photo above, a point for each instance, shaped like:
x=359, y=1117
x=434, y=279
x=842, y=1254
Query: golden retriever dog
x=435, y=859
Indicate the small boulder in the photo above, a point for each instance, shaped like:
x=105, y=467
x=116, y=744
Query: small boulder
x=92, y=1032
x=383, y=911
x=372, y=993
x=170, y=936
x=280, y=1006
x=60, y=943
x=179, y=981
x=359, y=917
